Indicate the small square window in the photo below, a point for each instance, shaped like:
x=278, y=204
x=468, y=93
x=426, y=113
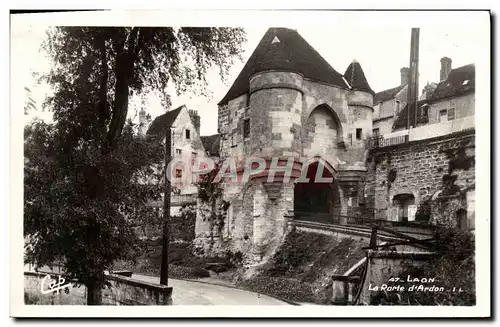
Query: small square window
x=376, y=132
x=358, y=133
x=451, y=114
x=178, y=151
x=246, y=128
x=188, y=134
x=178, y=173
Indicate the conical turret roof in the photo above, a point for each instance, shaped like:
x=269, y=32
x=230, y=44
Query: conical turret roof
x=355, y=76
x=286, y=50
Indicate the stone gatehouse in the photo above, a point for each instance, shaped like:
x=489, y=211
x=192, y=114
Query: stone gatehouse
x=288, y=104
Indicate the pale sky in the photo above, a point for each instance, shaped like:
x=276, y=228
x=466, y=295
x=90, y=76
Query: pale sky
x=381, y=51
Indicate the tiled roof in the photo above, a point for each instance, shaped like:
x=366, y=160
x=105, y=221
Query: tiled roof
x=387, y=94
x=460, y=81
x=166, y=120
x=355, y=76
x=401, y=120
x=211, y=144
x=284, y=49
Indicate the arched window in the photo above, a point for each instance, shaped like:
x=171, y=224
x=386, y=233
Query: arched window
x=404, y=202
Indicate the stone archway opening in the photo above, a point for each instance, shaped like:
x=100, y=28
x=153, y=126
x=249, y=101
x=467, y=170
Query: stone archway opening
x=317, y=201
x=404, y=202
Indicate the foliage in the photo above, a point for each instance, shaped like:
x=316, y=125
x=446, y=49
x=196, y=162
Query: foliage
x=79, y=206
x=88, y=175
x=182, y=227
x=303, y=265
x=29, y=104
x=309, y=256
x=213, y=208
x=285, y=288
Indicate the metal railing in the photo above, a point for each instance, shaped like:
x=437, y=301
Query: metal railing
x=380, y=141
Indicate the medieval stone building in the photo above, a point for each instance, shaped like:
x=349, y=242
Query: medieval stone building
x=288, y=103
x=290, y=107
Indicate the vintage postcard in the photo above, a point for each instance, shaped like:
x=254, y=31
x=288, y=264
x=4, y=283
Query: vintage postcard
x=250, y=164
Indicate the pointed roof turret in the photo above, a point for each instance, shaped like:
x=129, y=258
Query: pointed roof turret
x=355, y=76
x=284, y=49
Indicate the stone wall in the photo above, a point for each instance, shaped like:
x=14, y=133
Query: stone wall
x=384, y=125
x=382, y=265
x=123, y=291
x=418, y=168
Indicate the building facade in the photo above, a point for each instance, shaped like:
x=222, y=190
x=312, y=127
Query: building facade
x=289, y=107
x=426, y=173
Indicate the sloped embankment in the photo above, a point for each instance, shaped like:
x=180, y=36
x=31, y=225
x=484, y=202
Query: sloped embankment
x=302, y=267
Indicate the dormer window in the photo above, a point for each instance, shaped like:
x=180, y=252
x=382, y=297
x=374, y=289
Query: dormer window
x=188, y=134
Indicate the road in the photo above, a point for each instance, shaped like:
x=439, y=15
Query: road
x=195, y=293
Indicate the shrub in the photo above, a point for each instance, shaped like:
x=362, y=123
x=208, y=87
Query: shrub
x=291, y=289
x=183, y=272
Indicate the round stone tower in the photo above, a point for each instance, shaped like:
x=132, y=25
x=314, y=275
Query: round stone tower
x=275, y=116
x=360, y=103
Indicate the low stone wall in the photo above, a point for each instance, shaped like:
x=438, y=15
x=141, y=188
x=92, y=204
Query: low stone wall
x=384, y=265
x=123, y=291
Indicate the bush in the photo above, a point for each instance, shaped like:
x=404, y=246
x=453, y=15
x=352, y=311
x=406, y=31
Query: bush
x=291, y=289
x=183, y=272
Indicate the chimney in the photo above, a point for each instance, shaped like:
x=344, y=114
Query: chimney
x=445, y=68
x=196, y=120
x=405, y=75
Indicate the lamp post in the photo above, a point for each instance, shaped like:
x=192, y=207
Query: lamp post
x=166, y=209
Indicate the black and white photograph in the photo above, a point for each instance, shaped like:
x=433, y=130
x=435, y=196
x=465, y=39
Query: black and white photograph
x=250, y=164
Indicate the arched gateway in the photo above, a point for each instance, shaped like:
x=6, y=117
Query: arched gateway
x=315, y=199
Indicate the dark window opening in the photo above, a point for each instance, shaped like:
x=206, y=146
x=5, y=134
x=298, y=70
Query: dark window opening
x=246, y=128
x=424, y=113
x=451, y=114
x=358, y=133
x=376, y=132
x=178, y=151
x=188, y=134
x=178, y=173
x=403, y=202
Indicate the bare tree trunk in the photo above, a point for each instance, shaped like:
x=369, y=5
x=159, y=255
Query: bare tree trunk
x=94, y=293
x=124, y=70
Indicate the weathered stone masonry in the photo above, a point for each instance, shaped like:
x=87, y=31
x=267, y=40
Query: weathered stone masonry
x=421, y=168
